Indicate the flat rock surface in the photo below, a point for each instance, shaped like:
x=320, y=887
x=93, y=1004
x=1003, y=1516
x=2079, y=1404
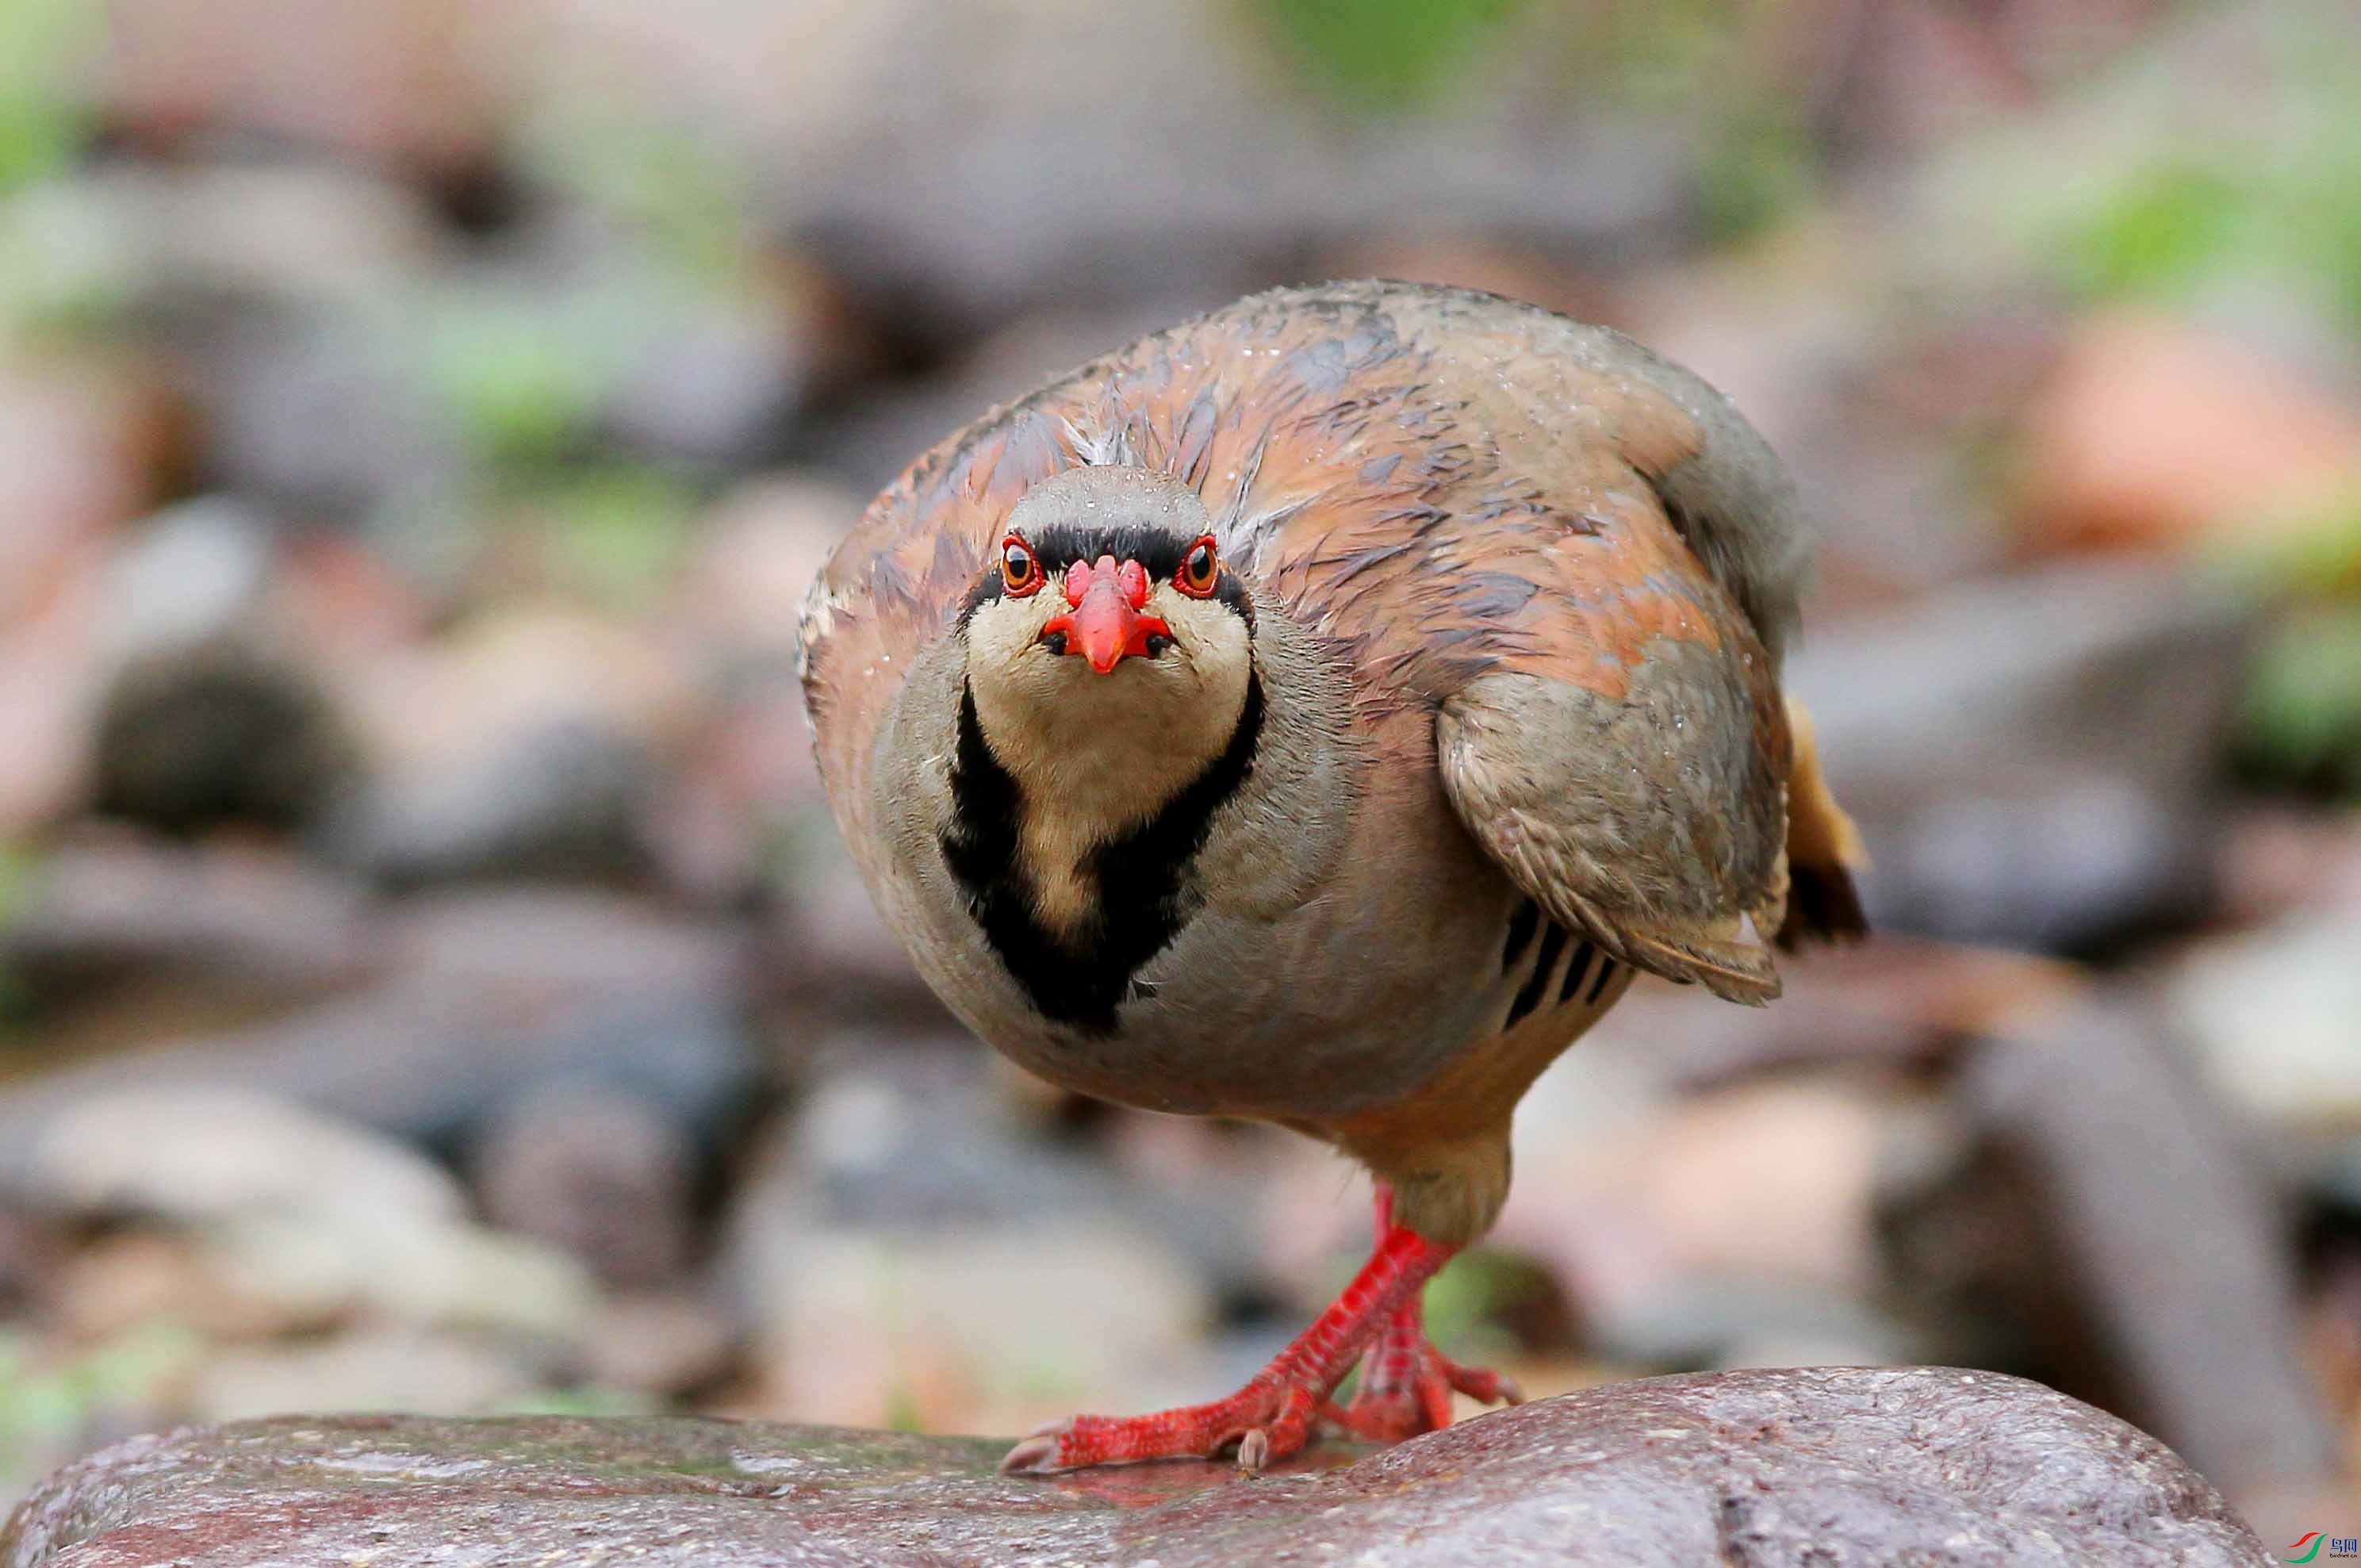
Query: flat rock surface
x=1828, y=1467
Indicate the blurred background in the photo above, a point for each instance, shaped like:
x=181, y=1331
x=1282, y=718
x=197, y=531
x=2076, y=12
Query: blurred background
x=428, y=976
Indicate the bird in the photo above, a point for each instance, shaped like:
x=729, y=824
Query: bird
x=1320, y=713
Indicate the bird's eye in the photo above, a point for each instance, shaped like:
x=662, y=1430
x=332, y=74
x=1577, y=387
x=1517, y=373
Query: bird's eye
x=1020, y=569
x=1200, y=569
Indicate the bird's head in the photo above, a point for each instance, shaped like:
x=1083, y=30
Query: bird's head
x=1107, y=631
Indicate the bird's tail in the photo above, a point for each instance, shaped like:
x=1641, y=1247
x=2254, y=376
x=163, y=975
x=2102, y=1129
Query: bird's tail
x=1824, y=850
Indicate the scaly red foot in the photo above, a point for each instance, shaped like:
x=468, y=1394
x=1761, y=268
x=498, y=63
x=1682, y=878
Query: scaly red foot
x=1407, y=1384
x=1271, y=1417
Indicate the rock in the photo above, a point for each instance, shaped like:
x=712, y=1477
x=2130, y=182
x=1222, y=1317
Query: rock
x=528, y=742
x=745, y=784
x=2031, y=759
x=1697, y=1225
x=190, y=575
x=296, y=1219
x=200, y=1154
x=392, y=1268
x=1832, y=1468
x=604, y=1177
x=1005, y=1325
x=365, y=1369
x=662, y=1343
x=2154, y=432
x=755, y=553
x=2150, y=1231
x=324, y=411
x=720, y=388
x=893, y=1246
x=391, y=83
x=221, y=736
x=82, y=443
x=82, y=447
x=2271, y=1016
x=491, y=996
x=106, y=907
x=912, y=145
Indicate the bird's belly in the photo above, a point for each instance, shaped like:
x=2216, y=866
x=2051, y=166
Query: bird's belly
x=1324, y=1012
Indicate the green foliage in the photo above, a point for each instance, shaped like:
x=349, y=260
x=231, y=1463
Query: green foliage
x=2280, y=208
x=1762, y=168
x=523, y=389
x=2302, y=717
x=45, y=1412
x=2165, y=226
x=617, y=529
x=43, y=128
x=1466, y=1299
x=19, y=874
x=687, y=204
x=584, y=1401
x=1382, y=53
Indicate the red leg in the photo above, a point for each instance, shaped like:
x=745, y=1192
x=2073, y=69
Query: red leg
x=1271, y=1417
x=1406, y=1382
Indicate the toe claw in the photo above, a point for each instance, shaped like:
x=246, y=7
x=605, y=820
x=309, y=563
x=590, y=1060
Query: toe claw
x=1254, y=1451
x=1505, y=1388
x=1052, y=1427
x=1036, y=1455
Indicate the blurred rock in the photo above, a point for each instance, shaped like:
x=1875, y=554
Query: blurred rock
x=1868, y=415
x=203, y=738
x=529, y=742
x=490, y=997
x=743, y=788
x=153, y=238
x=2153, y=432
x=51, y=684
x=324, y=411
x=190, y=575
x=295, y=1219
x=894, y=1133
x=913, y=143
x=384, y=1266
x=660, y=1343
x=84, y=447
x=2168, y=1292
x=2272, y=1017
x=870, y=442
x=719, y=388
x=150, y=1277
x=1683, y=1228
x=742, y=590
x=2031, y=760
x=388, y=82
x=363, y=1369
x=603, y=1176
x=956, y=1327
x=2280, y=859
x=835, y=956
x=1895, y=1002
x=906, y=1258
x=1840, y=1468
x=198, y=1153
x=107, y=906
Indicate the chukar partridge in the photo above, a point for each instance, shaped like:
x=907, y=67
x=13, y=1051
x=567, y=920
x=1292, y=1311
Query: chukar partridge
x=1320, y=713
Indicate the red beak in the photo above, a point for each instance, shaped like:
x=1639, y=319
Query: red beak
x=1104, y=625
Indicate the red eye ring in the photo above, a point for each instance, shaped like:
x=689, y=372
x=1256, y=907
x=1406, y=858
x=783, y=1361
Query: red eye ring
x=1200, y=569
x=1020, y=569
